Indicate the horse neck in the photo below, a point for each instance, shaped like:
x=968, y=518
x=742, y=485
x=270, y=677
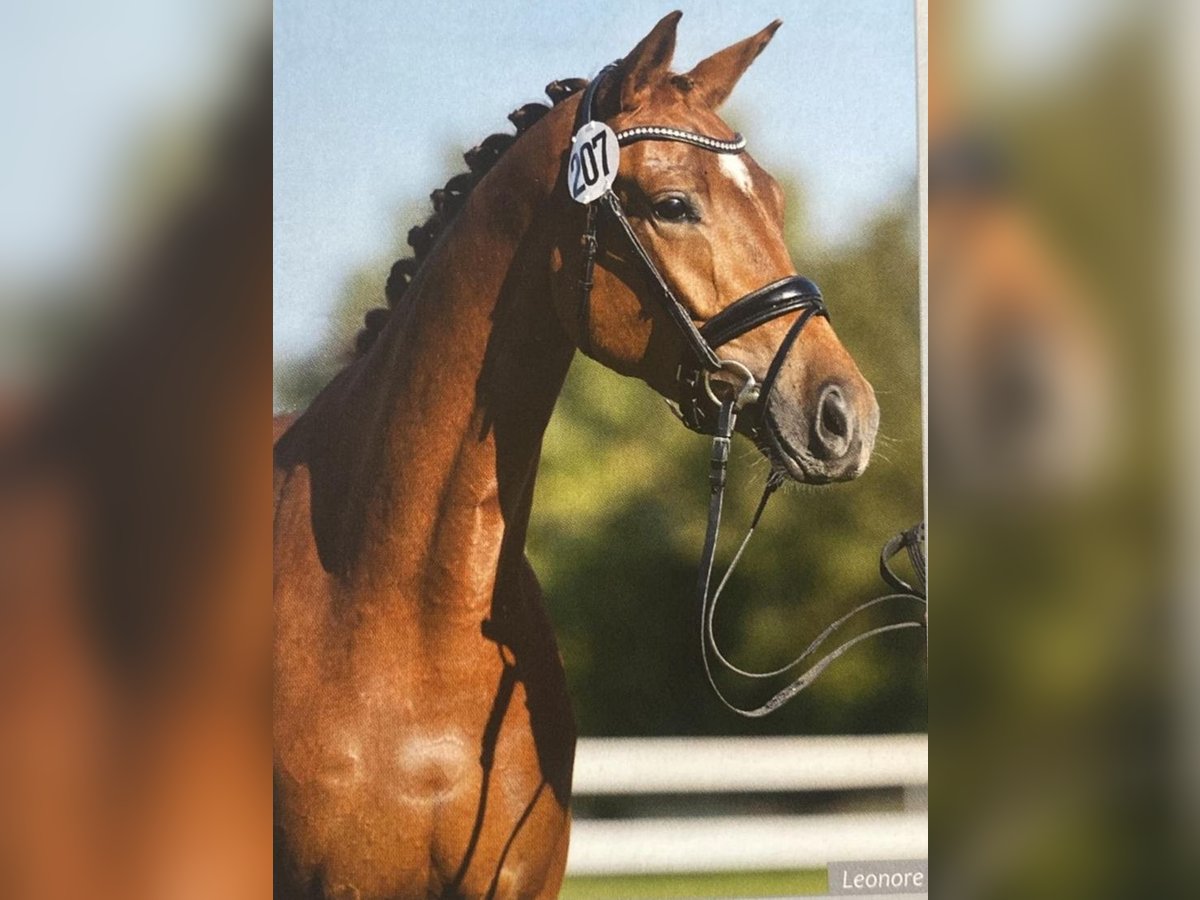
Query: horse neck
x=435, y=435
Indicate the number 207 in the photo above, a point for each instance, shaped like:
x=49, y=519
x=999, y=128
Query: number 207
x=584, y=170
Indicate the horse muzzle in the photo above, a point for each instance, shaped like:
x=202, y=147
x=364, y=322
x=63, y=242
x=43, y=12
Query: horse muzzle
x=829, y=439
x=812, y=434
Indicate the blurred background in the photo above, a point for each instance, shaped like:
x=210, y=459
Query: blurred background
x=1058, y=418
x=135, y=381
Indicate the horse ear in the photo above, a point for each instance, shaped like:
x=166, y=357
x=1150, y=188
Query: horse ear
x=714, y=78
x=638, y=71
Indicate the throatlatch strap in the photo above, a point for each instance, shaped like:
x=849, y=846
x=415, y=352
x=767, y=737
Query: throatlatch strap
x=586, y=282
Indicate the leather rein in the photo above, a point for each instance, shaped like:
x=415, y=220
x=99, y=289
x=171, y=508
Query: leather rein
x=715, y=414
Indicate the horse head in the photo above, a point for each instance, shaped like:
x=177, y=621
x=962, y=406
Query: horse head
x=710, y=225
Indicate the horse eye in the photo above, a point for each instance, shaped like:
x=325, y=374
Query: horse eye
x=673, y=209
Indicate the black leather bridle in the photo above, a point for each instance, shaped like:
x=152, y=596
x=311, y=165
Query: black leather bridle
x=698, y=403
x=703, y=410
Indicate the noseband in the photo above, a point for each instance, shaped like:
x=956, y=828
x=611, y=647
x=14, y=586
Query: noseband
x=702, y=409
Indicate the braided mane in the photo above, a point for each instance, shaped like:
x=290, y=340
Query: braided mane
x=448, y=200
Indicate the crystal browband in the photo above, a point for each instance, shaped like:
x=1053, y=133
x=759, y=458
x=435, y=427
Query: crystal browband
x=661, y=133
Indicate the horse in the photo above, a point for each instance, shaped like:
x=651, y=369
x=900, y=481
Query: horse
x=423, y=733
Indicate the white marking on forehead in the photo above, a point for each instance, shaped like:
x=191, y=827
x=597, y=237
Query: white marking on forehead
x=737, y=171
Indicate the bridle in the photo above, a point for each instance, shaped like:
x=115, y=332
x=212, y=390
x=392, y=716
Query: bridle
x=698, y=404
x=702, y=409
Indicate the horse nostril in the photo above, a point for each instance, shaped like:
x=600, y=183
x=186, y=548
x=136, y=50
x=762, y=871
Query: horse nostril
x=834, y=423
x=833, y=413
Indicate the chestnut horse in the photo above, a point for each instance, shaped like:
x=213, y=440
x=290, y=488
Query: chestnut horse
x=424, y=739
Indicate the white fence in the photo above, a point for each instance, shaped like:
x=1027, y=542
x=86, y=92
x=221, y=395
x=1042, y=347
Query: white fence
x=632, y=766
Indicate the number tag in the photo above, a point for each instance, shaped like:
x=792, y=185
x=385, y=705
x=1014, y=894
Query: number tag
x=592, y=168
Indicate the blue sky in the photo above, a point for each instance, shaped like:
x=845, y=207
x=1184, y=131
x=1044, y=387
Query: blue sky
x=372, y=97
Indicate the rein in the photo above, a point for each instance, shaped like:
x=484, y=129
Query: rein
x=702, y=410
